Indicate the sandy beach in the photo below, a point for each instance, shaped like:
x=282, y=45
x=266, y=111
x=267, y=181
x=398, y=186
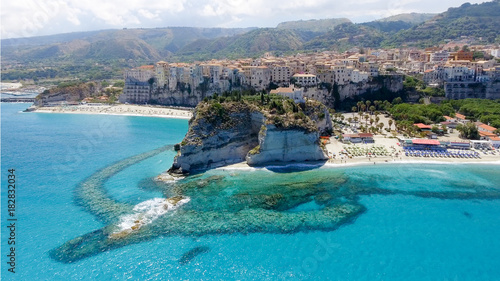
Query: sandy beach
x=395, y=154
x=121, y=109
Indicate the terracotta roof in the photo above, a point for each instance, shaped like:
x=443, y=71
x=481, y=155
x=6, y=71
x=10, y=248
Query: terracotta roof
x=486, y=134
x=422, y=126
x=494, y=138
x=460, y=116
x=487, y=128
x=365, y=135
x=283, y=90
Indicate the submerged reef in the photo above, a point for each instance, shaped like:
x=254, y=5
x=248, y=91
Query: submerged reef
x=227, y=202
x=193, y=253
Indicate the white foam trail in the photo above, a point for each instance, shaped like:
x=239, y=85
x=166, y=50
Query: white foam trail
x=145, y=213
x=229, y=168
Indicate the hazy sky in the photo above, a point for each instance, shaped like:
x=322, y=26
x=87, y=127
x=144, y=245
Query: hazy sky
x=25, y=18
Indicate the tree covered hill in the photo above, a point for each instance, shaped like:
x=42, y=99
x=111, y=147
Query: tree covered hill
x=423, y=30
x=412, y=18
x=148, y=44
x=244, y=45
x=478, y=20
x=317, y=26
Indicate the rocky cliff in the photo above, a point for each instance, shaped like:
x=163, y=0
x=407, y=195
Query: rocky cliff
x=180, y=98
x=278, y=145
x=230, y=132
x=72, y=93
x=389, y=83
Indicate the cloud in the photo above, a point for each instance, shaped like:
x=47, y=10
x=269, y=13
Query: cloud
x=24, y=18
x=149, y=15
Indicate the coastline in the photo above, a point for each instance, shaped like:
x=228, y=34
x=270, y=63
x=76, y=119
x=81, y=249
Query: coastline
x=395, y=155
x=333, y=148
x=120, y=109
x=362, y=162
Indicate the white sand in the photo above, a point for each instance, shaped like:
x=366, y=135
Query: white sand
x=121, y=109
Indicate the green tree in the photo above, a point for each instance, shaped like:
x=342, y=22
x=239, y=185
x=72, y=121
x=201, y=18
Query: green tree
x=372, y=109
x=444, y=128
x=368, y=103
x=468, y=131
x=397, y=100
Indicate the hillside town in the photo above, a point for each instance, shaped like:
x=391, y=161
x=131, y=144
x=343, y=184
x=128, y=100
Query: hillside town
x=313, y=74
x=455, y=68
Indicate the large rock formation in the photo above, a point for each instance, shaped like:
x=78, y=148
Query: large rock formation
x=231, y=132
x=278, y=145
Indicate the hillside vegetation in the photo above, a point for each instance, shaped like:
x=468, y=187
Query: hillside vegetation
x=318, y=26
x=478, y=20
x=109, y=51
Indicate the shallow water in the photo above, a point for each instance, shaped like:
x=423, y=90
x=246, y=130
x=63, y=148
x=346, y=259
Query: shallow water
x=383, y=222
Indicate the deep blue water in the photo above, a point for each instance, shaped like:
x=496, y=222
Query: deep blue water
x=422, y=221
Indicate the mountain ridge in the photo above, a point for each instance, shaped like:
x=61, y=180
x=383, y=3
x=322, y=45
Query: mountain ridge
x=132, y=47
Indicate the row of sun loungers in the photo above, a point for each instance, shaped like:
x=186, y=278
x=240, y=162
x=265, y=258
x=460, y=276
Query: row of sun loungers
x=442, y=154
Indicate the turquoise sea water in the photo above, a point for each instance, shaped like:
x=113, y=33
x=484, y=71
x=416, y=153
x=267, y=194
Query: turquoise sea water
x=81, y=175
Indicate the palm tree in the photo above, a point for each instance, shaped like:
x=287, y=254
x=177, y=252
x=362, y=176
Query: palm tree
x=366, y=119
x=353, y=109
x=356, y=119
x=359, y=103
x=363, y=107
x=377, y=119
x=372, y=109
x=368, y=103
x=380, y=126
x=349, y=120
x=390, y=124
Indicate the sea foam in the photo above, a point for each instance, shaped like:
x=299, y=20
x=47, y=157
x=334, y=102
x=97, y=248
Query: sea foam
x=146, y=212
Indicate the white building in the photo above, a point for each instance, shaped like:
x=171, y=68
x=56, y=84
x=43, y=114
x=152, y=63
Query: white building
x=359, y=76
x=260, y=77
x=138, y=84
x=281, y=74
x=439, y=56
x=341, y=74
x=305, y=79
x=458, y=73
x=290, y=92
